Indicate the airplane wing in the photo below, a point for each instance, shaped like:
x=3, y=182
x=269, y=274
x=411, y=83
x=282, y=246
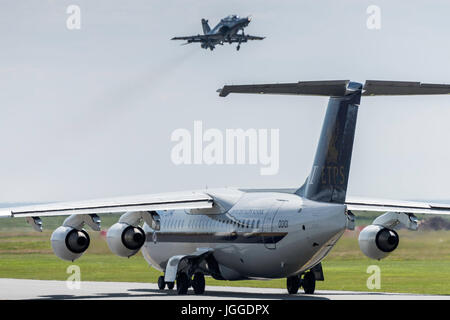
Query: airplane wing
x=152, y=202
x=379, y=205
x=199, y=38
x=244, y=38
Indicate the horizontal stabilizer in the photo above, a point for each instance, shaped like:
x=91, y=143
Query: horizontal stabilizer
x=387, y=88
x=339, y=88
x=315, y=88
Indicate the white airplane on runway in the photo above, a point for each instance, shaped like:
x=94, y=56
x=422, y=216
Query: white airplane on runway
x=235, y=234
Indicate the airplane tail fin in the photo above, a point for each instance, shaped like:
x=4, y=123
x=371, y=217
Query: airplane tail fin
x=328, y=179
x=205, y=26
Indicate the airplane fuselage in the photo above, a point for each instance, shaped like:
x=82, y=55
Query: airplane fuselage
x=262, y=235
x=230, y=28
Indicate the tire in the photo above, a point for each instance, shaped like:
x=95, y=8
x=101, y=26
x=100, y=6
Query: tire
x=309, y=283
x=161, y=283
x=182, y=283
x=170, y=285
x=198, y=283
x=293, y=284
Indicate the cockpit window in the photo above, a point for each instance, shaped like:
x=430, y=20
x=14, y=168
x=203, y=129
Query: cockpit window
x=231, y=17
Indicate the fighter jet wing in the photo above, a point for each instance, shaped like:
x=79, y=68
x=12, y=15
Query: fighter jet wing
x=243, y=38
x=249, y=37
x=198, y=38
x=151, y=202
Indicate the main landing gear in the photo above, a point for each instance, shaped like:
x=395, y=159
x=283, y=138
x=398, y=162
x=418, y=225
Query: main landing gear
x=184, y=283
x=308, y=282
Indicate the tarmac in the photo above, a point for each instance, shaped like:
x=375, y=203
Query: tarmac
x=19, y=289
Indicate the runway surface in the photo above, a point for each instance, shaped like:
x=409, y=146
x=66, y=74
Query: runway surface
x=18, y=289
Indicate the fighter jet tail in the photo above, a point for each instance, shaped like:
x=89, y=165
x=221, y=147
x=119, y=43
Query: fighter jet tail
x=328, y=179
x=205, y=26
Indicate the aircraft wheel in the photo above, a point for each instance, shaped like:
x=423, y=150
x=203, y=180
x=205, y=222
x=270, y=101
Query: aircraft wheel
x=182, y=283
x=293, y=284
x=170, y=285
x=161, y=283
x=198, y=283
x=238, y=47
x=309, y=283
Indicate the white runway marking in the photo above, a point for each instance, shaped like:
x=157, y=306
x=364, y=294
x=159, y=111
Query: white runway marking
x=17, y=289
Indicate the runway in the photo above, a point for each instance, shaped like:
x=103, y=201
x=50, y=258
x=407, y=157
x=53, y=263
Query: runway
x=19, y=289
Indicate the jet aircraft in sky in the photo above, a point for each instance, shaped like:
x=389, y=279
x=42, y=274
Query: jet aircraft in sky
x=226, y=31
x=237, y=234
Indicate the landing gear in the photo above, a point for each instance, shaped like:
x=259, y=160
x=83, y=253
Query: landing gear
x=198, y=283
x=293, y=284
x=182, y=283
x=238, y=47
x=309, y=282
x=161, y=283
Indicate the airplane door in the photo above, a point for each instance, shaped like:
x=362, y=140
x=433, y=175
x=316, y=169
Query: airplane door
x=269, y=227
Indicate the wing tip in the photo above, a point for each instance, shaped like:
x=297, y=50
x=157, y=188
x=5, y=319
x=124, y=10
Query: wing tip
x=223, y=92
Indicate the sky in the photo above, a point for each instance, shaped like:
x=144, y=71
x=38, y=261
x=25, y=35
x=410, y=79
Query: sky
x=89, y=113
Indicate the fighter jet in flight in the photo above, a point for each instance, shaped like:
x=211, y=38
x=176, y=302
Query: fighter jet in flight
x=225, y=31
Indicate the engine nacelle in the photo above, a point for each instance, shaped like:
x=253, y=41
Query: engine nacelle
x=376, y=241
x=69, y=243
x=125, y=240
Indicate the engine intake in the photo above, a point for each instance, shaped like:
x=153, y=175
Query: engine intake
x=376, y=242
x=125, y=240
x=69, y=243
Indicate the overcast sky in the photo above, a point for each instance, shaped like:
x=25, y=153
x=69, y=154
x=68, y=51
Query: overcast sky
x=89, y=113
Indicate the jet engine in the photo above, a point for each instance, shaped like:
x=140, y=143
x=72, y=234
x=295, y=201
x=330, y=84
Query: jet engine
x=125, y=240
x=69, y=243
x=376, y=241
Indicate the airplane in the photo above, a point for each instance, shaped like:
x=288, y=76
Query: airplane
x=225, y=31
x=237, y=234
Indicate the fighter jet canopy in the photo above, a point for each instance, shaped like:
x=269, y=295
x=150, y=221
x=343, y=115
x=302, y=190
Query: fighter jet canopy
x=231, y=17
